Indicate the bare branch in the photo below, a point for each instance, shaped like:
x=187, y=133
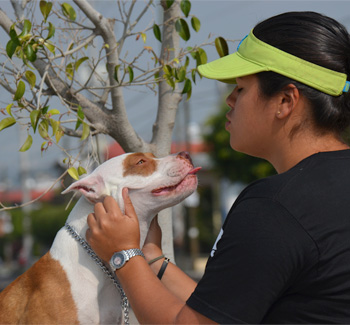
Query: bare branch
x=118, y=123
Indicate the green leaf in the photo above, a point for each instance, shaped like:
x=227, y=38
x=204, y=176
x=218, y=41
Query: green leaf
x=53, y=112
x=21, y=87
x=86, y=131
x=201, y=57
x=51, y=32
x=11, y=48
x=116, y=72
x=144, y=37
x=69, y=71
x=73, y=173
x=8, y=109
x=31, y=77
x=193, y=74
x=55, y=125
x=59, y=135
x=169, y=3
x=157, y=33
x=79, y=62
x=68, y=11
x=30, y=54
x=187, y=88
x=44, y=109
x=45, y=8
x=81, y=117
x=13, y=35
x=187, y=62
x=185, y=6
x=196, y=24
x=168, y=70
x=81, y=170
x=50, y=47
x=170, y=82
x=34, y=118
x=183, y=30
x=181, y=75
x=27, y=26
x=27, y=144
x=221, y=46
x=156, y=76
x=7, y=122
x=131, y=74
x=43, y=129
x=12, y=43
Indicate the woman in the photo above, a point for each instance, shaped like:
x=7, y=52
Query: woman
x=283, y=255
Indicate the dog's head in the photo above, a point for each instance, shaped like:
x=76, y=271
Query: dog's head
x=153, y=183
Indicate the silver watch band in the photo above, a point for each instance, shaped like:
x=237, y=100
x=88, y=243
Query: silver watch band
x=133, y=252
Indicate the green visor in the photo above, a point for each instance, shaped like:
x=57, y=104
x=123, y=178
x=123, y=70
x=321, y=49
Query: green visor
x=254, y=56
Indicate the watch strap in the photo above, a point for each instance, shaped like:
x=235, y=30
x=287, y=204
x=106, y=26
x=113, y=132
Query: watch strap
x=134, y=252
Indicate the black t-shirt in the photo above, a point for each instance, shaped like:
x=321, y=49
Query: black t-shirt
x=283, y=255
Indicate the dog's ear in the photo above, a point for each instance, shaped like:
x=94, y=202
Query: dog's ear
x=92, y=187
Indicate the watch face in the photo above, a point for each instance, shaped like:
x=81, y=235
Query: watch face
x=118, y=260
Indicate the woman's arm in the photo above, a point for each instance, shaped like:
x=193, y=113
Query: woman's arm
x=111, y=231
x=175, y=280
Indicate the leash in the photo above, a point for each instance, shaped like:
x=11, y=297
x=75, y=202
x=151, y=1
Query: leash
x=99, y=262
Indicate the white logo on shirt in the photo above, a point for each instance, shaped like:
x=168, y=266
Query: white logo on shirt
x=217, y=239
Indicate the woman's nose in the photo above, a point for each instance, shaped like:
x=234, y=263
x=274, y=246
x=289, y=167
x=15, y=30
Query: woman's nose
x=231, y=99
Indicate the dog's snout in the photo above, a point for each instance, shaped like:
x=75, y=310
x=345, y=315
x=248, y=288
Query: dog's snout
x=185, y=155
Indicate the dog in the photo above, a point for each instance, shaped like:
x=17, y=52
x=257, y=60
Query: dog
x=66, y=285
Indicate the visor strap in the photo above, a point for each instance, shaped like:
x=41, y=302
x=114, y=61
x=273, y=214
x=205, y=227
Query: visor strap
x=346, y=87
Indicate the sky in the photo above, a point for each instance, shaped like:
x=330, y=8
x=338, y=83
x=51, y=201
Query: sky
x=229, y=19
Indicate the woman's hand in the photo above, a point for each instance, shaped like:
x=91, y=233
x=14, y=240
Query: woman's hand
x=110, y=230
x=152, y=247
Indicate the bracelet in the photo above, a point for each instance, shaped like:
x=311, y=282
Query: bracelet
x=155, y=259
x=163, y=267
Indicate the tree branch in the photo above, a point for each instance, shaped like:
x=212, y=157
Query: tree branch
x=118, y=123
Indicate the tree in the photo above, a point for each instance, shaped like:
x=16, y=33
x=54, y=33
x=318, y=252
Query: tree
x=49, y=44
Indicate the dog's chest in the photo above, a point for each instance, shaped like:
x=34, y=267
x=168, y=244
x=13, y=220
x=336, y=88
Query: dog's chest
x=96, y=298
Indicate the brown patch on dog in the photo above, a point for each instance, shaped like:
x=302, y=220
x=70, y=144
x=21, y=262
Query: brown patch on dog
x=39, y=296
x=139, y=163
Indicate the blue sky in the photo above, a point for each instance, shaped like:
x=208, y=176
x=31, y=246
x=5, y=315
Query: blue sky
x=229, y=19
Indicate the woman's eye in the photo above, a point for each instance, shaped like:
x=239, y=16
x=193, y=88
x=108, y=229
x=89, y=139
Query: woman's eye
x=140, y=162
x=239, y=89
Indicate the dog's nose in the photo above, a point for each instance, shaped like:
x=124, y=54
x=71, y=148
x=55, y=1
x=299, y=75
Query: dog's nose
x=185, y=155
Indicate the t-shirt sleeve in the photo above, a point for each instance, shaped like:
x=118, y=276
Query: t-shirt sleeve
x=260, y=254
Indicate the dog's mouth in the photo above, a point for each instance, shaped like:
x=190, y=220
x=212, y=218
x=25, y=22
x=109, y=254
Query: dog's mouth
x=167, y=189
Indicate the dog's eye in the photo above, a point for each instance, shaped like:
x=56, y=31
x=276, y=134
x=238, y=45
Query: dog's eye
x=140, y=162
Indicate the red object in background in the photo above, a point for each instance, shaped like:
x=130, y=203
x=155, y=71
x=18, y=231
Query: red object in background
x=16, y=196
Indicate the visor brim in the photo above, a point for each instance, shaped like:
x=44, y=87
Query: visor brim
x=230, y=67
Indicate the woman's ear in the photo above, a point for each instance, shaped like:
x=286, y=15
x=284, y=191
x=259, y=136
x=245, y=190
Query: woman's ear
x=288, y=99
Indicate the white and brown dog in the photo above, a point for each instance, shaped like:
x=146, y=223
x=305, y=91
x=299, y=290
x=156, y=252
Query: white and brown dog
x=66, y=286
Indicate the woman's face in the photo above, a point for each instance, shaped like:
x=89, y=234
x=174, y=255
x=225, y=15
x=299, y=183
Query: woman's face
x=250, y=118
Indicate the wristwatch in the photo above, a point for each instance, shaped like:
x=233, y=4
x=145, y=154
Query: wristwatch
x=119, y=259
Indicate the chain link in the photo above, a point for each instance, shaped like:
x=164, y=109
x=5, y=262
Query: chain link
x=99, y=262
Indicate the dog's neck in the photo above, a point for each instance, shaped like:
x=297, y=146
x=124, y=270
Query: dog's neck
x=78, y=218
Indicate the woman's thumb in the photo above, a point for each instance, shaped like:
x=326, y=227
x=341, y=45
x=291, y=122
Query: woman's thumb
x=129, y=208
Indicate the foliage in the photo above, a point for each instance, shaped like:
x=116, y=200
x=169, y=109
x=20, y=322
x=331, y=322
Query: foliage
x=49, y=47
x=228, y=163
x=45, y=222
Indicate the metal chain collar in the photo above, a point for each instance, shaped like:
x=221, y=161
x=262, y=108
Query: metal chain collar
x=99, y=262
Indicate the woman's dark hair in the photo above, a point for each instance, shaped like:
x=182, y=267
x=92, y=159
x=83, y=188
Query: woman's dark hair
x=318, y=39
